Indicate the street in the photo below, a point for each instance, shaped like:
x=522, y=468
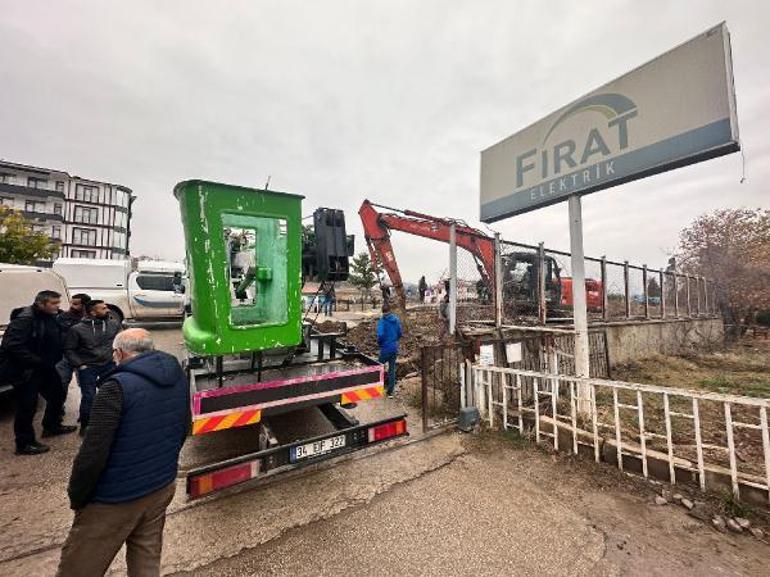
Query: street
x=449, y=504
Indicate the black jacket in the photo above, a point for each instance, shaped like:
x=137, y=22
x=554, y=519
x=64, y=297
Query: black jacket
x=90, y=342
x=68, y=319
x=32, y=341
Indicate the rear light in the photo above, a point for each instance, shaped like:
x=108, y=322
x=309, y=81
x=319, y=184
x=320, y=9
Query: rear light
x=206, y=483
x=387, y=431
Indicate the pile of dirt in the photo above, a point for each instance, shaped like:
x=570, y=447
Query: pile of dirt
x=421, y=327
x=331, y=327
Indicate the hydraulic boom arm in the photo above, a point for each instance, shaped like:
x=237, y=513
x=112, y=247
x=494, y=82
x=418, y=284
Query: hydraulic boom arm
x=377, y=226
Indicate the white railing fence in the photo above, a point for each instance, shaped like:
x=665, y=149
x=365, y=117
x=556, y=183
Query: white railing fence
x=705, y=434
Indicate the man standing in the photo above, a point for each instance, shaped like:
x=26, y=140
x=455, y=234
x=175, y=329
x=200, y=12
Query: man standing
x=388, y=335
x=123, y=477
x=31, y=348
x=422, y=287
x=67, y=320
x=88, y=347
x=443, y=313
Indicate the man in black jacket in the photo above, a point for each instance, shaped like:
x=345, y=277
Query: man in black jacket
x=31, y=348
x=124, y=475
x=88, y=348
x=67, y=320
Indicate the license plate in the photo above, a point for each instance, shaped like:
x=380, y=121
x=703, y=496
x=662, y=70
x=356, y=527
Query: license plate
x=317, y=448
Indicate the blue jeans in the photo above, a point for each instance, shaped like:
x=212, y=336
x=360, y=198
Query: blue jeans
x=88, y=380
x=390, y=383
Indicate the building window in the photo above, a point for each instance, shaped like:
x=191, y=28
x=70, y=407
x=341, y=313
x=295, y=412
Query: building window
x=34, y=206
x=6, y=177
x=75, y=253
x=86, y=193
x=56, y=232
x=84, y=236
x=58, y=208
x=59, y=186
x=86, y=215
x=33, y=182
x=119, y=240
x=6, y=201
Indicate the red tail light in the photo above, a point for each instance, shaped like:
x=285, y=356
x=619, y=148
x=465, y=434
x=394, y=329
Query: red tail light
x=209, y=482
x=387, y=431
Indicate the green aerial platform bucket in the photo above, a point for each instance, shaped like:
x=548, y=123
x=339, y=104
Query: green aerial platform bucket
x=244, y=261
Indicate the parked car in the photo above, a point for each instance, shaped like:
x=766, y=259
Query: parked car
x=18, y=287
x=154, y=291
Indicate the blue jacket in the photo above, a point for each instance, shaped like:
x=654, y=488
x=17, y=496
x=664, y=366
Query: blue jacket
x=388, y=334
x=153, y=425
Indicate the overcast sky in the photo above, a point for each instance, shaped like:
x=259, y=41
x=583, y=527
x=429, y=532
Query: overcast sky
x=341, y=101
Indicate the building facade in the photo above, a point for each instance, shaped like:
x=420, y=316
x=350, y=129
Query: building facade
x=88, y=218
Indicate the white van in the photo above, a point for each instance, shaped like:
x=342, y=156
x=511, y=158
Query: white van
x=18, y=287
x=152, y=292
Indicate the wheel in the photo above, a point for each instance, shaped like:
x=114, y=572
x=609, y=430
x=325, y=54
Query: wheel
x=116, y=313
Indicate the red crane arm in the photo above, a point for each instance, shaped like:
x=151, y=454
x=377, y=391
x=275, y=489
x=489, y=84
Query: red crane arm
x=377, y=226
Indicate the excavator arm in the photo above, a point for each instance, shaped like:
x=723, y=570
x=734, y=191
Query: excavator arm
x=378, y=226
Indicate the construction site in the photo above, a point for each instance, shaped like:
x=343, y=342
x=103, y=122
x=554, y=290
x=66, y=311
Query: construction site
x=479, y=378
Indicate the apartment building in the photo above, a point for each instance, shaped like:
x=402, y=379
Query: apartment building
x=88, y=218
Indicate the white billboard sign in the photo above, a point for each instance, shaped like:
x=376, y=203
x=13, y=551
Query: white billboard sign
x=675, y=110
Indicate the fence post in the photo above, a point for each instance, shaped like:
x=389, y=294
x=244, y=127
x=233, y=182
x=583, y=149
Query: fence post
x=541, y=310
x=498, y=282
x=689, y=302
x=646, y=292
x=662, y=294
x=697, y=302
x=424, y=388
x=627, y=289
x=452, y=278
x=605, y=300
x=676, y=296
x=706, y=296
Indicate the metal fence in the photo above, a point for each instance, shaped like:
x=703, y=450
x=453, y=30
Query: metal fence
x=710, y=437
x=537, y=283
x=443, y=367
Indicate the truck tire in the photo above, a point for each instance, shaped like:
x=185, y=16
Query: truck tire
x=116, y=312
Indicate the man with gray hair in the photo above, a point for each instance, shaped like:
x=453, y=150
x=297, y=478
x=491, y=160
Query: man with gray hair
x=123, y=477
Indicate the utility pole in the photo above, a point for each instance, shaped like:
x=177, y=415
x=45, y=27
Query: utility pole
x=582, y=368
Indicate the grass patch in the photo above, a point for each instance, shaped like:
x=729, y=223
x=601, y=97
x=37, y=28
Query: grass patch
x=747, y=385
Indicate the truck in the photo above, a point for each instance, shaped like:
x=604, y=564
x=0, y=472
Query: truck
x=150, y=291
x=253, y=360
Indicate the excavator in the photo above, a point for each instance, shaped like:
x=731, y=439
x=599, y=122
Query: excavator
x=519, y=268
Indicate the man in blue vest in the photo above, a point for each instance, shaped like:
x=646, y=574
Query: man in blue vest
x=123, y=477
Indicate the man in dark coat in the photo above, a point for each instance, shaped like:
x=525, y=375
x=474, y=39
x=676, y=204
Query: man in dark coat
x=124, y=475
x=88, y=348
x=67, y=320
x=31, y=348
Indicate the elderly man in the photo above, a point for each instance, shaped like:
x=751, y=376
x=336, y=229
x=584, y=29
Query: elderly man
x=123, y=478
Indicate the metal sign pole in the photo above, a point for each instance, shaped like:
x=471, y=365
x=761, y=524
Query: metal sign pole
x=579, y=300
x=498, y=282
x=452, y=279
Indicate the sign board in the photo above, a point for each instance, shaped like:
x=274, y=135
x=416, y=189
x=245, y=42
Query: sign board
x=673, y=111
x=513, y=352
x=487, y=355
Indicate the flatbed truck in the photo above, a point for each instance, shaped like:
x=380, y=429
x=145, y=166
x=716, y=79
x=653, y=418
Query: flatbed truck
x=252, y=358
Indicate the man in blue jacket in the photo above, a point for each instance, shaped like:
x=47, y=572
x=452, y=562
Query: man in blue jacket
x=388, y=335
x=123, y=477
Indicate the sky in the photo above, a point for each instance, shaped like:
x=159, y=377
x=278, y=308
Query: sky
x=345, y=100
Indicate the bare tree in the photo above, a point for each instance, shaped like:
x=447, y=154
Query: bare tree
x=731, y=247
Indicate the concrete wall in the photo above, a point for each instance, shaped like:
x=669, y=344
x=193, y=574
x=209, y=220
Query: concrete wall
x=634, y=340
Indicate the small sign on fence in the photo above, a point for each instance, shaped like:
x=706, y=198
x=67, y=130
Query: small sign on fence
x=513, y=353
x=487, y=355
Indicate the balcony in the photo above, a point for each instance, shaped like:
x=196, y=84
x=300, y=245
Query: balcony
x=25, y=190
